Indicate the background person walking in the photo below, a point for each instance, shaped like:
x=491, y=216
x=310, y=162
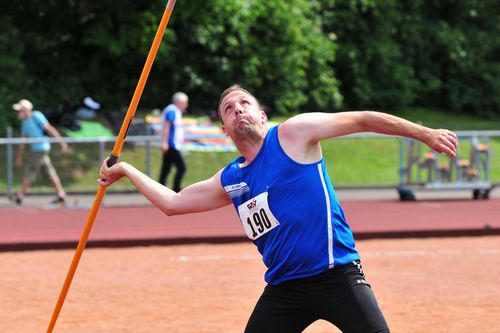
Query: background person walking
x=172, y=136
x=34, y=125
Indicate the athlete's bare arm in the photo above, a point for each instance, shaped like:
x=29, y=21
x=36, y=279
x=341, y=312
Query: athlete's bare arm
x=202, y=196
x=300, y=135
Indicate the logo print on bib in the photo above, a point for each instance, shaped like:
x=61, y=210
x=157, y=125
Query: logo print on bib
x=252, y=204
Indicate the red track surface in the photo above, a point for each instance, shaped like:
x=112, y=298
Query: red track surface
x=25, y=228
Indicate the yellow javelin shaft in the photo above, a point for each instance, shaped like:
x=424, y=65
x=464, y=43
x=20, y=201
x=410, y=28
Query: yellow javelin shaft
x=112, y=160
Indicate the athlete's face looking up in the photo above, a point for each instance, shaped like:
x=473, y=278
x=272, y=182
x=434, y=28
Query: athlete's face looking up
x=241, y=115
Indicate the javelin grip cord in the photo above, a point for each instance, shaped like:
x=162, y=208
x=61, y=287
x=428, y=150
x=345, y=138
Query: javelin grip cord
x=112, y=160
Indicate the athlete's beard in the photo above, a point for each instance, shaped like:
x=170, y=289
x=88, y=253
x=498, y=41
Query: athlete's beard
x=247, y=133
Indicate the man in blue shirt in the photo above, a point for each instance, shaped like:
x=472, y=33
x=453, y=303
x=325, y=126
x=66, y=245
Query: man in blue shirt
x=288, y=208
x=172, y=137
x=34, y=125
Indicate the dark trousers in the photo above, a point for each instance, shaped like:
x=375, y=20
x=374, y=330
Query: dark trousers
x=340, y=295
x=172, y=156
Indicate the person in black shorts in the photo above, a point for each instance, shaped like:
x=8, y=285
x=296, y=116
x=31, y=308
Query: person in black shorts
x=340, y=295
x=287, y=206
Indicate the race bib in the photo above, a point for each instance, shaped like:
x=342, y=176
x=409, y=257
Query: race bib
x=256, y=217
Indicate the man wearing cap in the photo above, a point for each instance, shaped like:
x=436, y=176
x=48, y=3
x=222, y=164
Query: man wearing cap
x=34, y=125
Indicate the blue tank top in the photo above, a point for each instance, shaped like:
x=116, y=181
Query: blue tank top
x=290, y=211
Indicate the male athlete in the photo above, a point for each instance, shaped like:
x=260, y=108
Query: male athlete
x=288, y=208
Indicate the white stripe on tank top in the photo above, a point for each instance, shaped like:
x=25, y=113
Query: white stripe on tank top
x=329, y=218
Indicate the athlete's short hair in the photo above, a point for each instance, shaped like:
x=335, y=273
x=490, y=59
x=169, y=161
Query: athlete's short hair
x=234, y=87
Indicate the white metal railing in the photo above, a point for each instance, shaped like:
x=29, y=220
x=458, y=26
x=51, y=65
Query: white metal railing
x=143, y=140
x=148, y=140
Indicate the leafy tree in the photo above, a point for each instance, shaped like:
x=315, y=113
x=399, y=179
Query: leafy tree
x=369, y=61
x=296, y=55
x=468, y=35
x=11, y=69
x=275, y=48
x=439, y=54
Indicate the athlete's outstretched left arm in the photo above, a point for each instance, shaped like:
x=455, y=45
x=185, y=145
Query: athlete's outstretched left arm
x=314, y=127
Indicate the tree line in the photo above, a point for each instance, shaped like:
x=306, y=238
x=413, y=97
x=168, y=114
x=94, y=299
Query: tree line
x=296, y=55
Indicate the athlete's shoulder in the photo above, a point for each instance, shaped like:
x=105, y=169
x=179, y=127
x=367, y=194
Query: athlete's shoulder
x=231, y=169
x=234, y=164
x=272, y=133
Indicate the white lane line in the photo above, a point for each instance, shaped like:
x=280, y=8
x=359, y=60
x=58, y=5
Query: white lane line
x=214, y=257
x=437, y=252
x=399, y=253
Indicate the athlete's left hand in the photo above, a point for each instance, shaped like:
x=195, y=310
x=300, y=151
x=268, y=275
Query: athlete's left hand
x=443, y=141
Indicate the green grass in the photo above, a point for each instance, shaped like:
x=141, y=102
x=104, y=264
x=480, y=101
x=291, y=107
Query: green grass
x=451, y=120
x=90, y=129
x=362, y=161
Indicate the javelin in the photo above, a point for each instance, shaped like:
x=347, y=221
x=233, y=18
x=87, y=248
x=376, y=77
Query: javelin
x=111, y=161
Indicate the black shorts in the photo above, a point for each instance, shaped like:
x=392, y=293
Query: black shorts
x=340, y=295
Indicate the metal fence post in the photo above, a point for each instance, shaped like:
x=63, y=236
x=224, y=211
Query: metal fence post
x=102, y=146
x=9, y=164
x=148, y=158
